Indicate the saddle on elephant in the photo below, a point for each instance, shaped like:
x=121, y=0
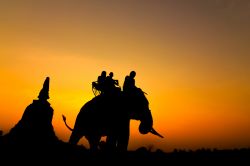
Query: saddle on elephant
x=105, y=89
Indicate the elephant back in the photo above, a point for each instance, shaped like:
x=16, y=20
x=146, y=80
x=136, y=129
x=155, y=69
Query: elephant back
x=102, y=112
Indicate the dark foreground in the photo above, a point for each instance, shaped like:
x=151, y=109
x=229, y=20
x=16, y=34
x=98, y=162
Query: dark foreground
x=65, y=154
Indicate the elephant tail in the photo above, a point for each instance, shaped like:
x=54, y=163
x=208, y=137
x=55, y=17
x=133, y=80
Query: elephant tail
x=64, y=119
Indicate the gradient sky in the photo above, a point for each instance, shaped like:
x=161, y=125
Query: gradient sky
x=191, y=57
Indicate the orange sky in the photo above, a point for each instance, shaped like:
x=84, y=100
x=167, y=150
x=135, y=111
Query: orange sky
x=192, y=58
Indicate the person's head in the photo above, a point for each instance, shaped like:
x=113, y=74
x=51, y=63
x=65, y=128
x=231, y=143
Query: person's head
x=103, y=73
x=111, y=74
x=132, y=74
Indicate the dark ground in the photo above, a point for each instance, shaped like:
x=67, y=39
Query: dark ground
x=65, y=154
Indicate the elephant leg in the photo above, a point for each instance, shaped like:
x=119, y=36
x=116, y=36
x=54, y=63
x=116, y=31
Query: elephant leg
x=75, y=137
x=123, y=137
x=93, y=142
x=111, y=141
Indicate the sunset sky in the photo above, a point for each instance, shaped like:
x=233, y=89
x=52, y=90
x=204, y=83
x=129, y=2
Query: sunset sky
x=191, y=57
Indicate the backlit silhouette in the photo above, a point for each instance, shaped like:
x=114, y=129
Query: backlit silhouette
x=112, y=85
x=32, y=140
x=109, y=115
x=36, y=122
x=98, y=86
x=129, y=82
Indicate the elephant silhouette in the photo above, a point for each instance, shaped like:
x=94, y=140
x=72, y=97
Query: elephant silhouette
x=110, y=116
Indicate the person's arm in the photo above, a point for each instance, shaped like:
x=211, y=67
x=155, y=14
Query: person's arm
x=116, y=82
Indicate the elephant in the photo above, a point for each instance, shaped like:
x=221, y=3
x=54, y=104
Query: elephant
x=110, y=115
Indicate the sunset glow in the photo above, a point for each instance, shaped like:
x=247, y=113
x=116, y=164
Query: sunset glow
x=191, y=58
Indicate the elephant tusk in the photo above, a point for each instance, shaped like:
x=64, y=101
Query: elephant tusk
x=155, y=133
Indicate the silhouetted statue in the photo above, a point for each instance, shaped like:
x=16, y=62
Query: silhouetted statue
x=35, y=126
x=100, y=84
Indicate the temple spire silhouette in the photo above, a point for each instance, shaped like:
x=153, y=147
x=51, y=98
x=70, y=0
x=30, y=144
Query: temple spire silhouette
x=35, y=126
x=44, y=93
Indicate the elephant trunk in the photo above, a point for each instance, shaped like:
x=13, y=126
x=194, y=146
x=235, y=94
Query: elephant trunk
x=146, y=123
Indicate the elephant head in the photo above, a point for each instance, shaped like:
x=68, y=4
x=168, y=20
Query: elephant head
x=139, y=110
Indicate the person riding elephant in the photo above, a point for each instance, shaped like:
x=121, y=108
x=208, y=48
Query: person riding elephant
x=112, y=85
x=129, y=87
x=100, y=84
x=129, y=83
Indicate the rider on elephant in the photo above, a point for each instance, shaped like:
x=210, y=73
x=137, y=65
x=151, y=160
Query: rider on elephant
x=130, y=90
x=100, y=83
x=129, y=83
x=106, y=85
x=129, y=86
x=111, y=85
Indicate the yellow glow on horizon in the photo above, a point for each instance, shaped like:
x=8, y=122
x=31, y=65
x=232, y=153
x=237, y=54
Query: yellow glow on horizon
x=186, y=111
x=193, y=64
